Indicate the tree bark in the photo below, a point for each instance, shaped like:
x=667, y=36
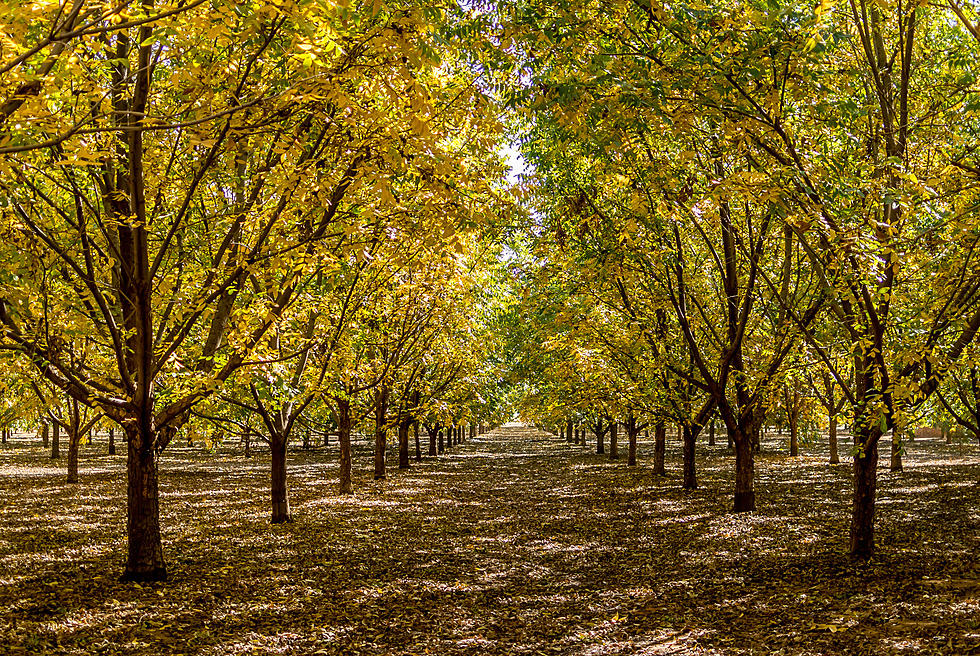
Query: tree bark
x=690, y=470
x=442, y=441
x=56, y=442
x=403, y=427
x=711, y=433
x=896, y=452
x=832, y=430
x=343, y=437
x=862, y=541
x=45, y=429
x=794, y=424
x=744, y=472
x=112, y=441
x=659, y=449
x=614, y=441
x=433, y=431
x=380, y=432
x=418, y=442
x=280, y=494
x=600, y=439
x=144, y=561
x=74, y=440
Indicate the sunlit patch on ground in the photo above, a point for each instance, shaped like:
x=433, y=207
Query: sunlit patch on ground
x=513, y=543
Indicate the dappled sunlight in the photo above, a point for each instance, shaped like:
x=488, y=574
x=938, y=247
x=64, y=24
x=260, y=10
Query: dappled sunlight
x=553, y=550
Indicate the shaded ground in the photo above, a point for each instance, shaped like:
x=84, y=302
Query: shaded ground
x=514, y=544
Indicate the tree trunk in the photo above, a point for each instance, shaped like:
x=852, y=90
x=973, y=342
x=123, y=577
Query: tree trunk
x=380, y=431
x=45, y=429
x=659, y=449
x=614, y=441
x=144, y=561
x=280, y=495
x=74, y=440
x=112, y=441
x=568, y=431
x=442, y=441
x=433, y=432
x=418, y=442
x=56, y=442
x=600, y=439
x=865, y=480
x=403, y=427
x=711, y=433
x=896, y=452
x=690, y=471
x=794, y=425
x=631, y=431
x=832, y=429
x=472, y=431
x=576, y=436
x=744, y=472
x=343, y=437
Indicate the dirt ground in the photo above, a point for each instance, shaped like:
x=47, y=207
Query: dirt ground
x=515, y=543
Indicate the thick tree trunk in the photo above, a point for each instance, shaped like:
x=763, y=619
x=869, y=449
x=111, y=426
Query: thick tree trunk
x=418, y=441
x=112, y=441
x=280, y=494
x=403, y=427
x=442, y=440
x=711, y=433
x=631, y=456
x=74, y=440
x=744, y=472
x=433, y=432
x=614, y=441
x=659, y=449
x=144, y=561
x=45, y=429
x=56, y=442
x=343, y=437
x=600, y=440
x=832, y=429
x=568, y=431
x=472, y=431
x=865, y=481
x=690, y=470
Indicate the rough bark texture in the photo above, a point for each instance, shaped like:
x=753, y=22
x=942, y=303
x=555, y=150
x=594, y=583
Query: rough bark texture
x=45, y=429
x=112, y=441
x=403, y=427
x=711, y=433
x=744, y=472
x=280, y=494
x=442, y=441
x=659, y=449
x=144, y=561
x=74, y=440
x=614, y=441
x=690, y=471
x=862, y=541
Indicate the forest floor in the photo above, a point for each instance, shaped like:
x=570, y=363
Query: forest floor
x=514, y=543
